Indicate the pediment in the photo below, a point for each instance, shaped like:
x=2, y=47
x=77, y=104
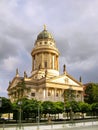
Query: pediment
x=65, y=79
x=14, y=82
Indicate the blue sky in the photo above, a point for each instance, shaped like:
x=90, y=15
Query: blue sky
x=73, y=24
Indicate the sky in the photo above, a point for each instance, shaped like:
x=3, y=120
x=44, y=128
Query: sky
x=73, y=24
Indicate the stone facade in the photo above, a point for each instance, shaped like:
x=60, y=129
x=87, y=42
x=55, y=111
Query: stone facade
x=45, y=82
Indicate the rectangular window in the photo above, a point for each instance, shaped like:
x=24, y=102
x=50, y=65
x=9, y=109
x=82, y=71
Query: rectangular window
x=33, y=94
x=45, y=64
x=57, y=94
x=49, y=94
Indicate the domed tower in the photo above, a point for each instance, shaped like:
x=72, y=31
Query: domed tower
x=45, y=56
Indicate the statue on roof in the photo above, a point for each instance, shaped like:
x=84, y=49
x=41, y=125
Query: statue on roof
x=45, y=27
x=17, y=73
x=25, y=74
x=64, y=68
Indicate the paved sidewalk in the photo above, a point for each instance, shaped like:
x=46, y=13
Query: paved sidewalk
x=53, y=126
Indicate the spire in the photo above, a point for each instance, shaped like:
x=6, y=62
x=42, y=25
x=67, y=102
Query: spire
x=45, y=27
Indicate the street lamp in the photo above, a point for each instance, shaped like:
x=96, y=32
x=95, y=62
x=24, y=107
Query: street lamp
x=71, y=114
x=70, y=99
x=49, y=118
x=38, y=118
x=20, y=123
x=64, y=116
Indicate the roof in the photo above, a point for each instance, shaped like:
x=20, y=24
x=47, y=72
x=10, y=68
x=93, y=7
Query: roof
x=44, y=34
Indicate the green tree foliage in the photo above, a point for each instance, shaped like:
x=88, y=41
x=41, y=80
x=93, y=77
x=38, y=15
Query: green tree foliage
x=29, y=108
x=91, y=93
x=94, y=108
x=75, y=106
x=48, y=107
x=72, y=105
x=69, y=96
x=59, y=106
x=84, y=107
x=6, y=106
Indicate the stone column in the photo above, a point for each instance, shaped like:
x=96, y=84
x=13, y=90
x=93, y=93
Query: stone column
x=49, y=61
x=52, y=61
x=57, y=64
x=42, y=61
x=55, y=93
x=44, y=93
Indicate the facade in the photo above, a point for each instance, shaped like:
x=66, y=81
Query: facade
x=45, y=82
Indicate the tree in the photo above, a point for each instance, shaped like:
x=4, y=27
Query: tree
x=75, y=106
x=91, y=93
x=69, y=95
x=29, y=108
x=71, y=108
x=48, y=107
x=6, y=106
x=59, y=106
x=21, y=88
x=84, y=107
x=94, y=108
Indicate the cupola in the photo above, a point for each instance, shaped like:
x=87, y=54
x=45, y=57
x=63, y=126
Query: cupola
x=44, y=34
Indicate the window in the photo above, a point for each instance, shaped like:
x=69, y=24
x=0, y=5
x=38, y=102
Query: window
x=49, y=94
x=57, y=94
x=33, y=94
x=45, y=64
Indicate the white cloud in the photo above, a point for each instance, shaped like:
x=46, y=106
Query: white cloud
x=10, y=63
x=72, y=23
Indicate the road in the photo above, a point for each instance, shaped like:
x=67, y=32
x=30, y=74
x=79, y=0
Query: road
x=76, y=126
x=81, y=128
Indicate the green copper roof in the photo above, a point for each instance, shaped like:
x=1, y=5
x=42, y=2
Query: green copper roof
x=44, y=35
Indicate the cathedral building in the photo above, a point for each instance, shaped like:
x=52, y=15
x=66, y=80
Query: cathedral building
x=45, y=82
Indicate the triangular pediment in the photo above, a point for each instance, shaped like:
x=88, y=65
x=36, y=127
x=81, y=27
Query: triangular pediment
x=14, y=82
x=65, y=79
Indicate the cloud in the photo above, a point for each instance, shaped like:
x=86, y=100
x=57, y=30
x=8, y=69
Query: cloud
x=73, y=25
x=10, y=63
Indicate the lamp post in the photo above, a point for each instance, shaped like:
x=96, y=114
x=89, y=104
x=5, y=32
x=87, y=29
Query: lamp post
x=38, y=119
x=49, y=118
x=20, y=123
x=64, y=115
x=70, y=99
x=71, y=115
